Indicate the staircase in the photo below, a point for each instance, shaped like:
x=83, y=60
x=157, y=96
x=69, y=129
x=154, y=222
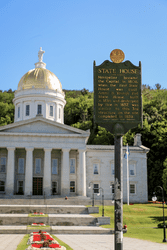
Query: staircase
x=63, y=218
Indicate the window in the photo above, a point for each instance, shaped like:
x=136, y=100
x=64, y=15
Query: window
x=27, y=110
x=132, y=169
x=95, y=169
x=3, y=165
x=112, y=169
x=72, y=166
x=96, y=188
x=51, y=110
x=18, y=113
x=132, y=189
x=72, y=186
x=20, y=187
x=21, y=166
x=37, y=166
x=112, y=188
x=2, y=186
x=54, y=166
x=54, y=187
x=39, y=110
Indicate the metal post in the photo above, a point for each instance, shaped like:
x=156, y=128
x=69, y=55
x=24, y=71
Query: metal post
x=164, y=226
x=93, y=200
x=118, y=194
x=102, y=203
x=93, y=195
x=127, y=175
x=164, y=240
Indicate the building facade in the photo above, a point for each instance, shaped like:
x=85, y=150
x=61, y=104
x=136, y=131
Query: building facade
x=40, y=155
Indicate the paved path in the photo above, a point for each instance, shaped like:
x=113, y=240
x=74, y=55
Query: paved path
x=86, y=242
x=106, y=242
x=10, y=241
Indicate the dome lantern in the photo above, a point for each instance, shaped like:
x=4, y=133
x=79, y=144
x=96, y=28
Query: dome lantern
x=39, y=92
x=40, y=77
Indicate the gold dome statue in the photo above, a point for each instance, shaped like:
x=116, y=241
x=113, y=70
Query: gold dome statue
x=40, y=77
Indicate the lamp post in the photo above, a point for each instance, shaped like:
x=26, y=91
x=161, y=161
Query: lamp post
x=113, y=198
x=154, y=198
x=102, y=200
x=93, y=199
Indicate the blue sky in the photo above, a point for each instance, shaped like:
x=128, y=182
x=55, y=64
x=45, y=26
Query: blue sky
x=74, y=33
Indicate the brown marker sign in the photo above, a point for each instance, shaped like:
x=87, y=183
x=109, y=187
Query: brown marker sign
x=117, y=101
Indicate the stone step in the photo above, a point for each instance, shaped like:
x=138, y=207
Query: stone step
x=46, y=209
x=71, y=220
x=40, y=200
x=80, y=230
x=52, y=219
x=57, y=230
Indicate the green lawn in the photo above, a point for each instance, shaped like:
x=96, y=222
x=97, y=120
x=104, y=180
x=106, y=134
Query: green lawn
x=141, y=219
x=37, y=215
x=39, y=228
x=23, y=244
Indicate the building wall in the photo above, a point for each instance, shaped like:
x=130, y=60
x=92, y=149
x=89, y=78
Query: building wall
x=19, y=153
x=101, y=156
x=104, y=157
x=3, y=153
x=56, y=154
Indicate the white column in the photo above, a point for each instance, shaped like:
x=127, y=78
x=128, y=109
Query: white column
x=82, y=173
x=10, y=171
x=15, y=115
x=65, y=173
x=57, y=112
x=47, y=172
x=29, y=171
x=62, y=114
x=33, y=109
x=22, y=111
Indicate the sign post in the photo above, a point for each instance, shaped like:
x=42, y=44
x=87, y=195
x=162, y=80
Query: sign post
x=118, y=108
x=118, y=189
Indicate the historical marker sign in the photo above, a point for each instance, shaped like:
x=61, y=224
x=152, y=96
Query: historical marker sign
x=117, y=90
x=118, y=108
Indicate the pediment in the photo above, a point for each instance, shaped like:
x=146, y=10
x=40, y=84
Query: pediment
x=41, y=126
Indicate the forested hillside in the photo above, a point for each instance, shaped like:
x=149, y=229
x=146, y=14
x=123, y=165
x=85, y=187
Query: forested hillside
x=78, y=113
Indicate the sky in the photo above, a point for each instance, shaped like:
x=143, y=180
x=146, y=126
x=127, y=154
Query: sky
x=74, y=33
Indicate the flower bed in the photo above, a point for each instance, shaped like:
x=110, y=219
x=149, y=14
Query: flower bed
x=38, y=224
x=38, y=213
x=37, y=237
x=44, y=241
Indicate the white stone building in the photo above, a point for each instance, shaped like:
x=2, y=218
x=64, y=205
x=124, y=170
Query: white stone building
x=40, y=155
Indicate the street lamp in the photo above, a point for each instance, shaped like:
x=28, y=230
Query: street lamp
x=154, y=198
x=93, y=199
x=113, y=197
x=102, y=200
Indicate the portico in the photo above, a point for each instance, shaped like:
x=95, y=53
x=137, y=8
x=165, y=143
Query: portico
x=51, y=164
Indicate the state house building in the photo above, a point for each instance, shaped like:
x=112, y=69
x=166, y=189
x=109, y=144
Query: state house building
x=40, y=155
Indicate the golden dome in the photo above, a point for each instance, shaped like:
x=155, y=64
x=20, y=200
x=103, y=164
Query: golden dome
x=39, y=78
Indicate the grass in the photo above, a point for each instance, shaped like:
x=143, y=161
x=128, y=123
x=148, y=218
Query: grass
x=39, y=228
x=62, y=243
x=23, y=244
x=141, y=219
x=37, y=215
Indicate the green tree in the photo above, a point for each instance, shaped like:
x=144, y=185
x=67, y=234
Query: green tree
x=78, y=109
x=6, y=108
x=164, y=176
